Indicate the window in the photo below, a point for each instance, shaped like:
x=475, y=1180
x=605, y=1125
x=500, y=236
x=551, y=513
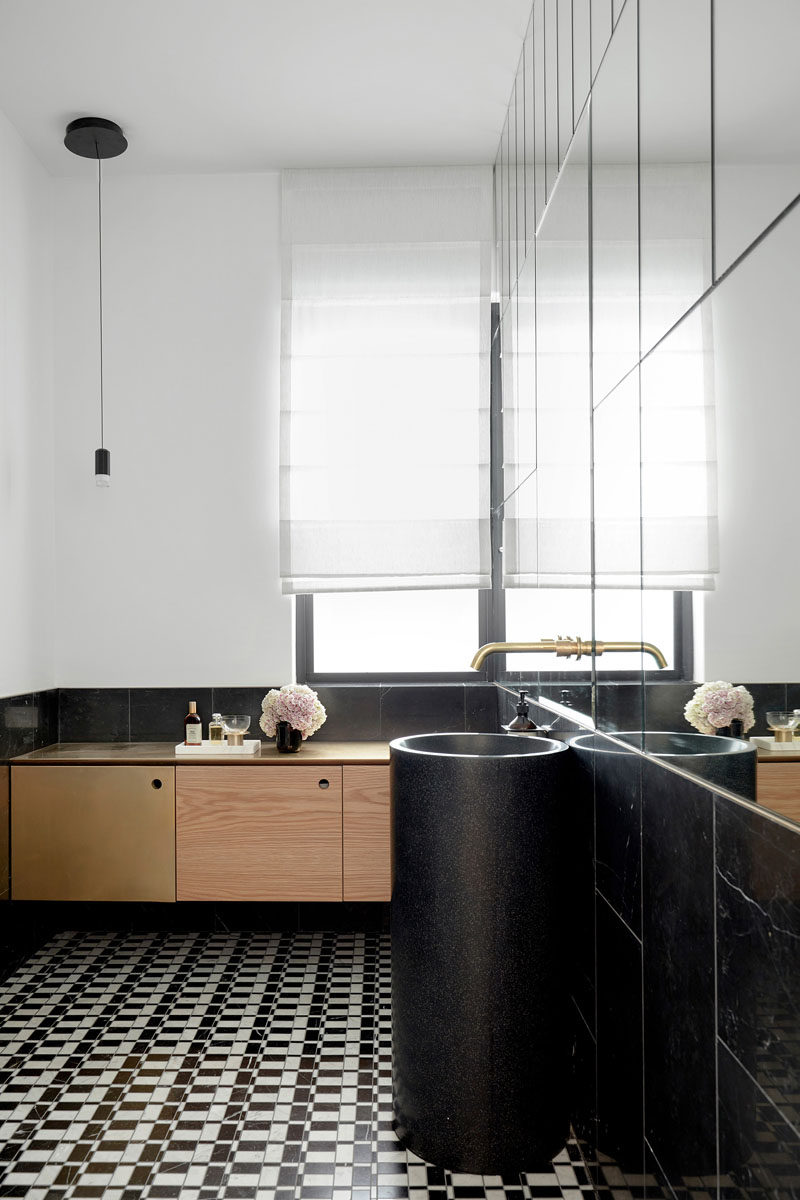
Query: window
x=383, y=635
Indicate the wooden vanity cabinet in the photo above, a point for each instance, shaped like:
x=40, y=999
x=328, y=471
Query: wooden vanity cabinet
x=92, y=833
x=367, y=840
x=274, y=832
x=251, y=833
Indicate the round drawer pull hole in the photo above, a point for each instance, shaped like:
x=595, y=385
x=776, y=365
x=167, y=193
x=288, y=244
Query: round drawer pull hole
x=323, y=783
x=157, y=784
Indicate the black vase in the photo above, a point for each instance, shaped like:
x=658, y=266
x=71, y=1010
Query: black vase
x=288, y=740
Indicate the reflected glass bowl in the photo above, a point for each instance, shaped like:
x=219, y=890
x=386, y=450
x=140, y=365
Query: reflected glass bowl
x=235, y=724
x=783, y=720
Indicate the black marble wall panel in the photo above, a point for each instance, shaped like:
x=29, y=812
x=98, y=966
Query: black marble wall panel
x=711, y=1022
x=620, y=1116
x=678, y=938
x=582, y=889
x=94, y=715
x=758, y=951
x=157, y=713
x=618, y=822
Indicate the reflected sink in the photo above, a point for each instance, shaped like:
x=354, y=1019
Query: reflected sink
x=726, y=761
x=481, y=1042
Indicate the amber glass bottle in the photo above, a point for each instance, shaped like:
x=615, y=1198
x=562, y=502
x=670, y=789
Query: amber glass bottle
x=193, y=726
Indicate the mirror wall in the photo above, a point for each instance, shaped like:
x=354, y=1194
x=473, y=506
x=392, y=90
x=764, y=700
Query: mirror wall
x=647, y=230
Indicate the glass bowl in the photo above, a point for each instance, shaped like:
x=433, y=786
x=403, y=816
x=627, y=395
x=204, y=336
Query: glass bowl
x=235, y=724
x=783, y=720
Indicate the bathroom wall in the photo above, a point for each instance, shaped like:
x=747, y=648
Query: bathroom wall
x=26, y=420
x=170, y=576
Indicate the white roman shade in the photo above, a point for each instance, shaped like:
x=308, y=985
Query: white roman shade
x=626, y=498
x=385, y=379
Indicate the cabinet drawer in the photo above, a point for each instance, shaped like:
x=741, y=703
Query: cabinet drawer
x=92, y=833
x=367, y=833
x=259, y=833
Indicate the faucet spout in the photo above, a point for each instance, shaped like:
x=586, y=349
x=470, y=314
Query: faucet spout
x=566, y=648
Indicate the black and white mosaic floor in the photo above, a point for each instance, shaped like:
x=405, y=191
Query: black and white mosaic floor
x=205, y=1066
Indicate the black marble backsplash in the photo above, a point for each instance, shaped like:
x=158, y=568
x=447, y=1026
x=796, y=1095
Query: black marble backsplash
x=659, y=708
x=27, y=722
x=355, y=713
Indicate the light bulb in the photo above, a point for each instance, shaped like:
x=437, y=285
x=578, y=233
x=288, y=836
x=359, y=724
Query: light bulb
x=102, y=468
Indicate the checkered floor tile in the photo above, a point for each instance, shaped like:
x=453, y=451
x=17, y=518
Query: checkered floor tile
x=214, y=1067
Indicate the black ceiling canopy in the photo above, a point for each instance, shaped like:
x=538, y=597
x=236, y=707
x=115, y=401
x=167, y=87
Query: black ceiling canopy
x=94, y=137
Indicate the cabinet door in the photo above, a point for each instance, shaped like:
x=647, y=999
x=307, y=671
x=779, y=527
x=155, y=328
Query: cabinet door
x=367, y=834
x=779, y=788
x=259, y=833
x=92, y=833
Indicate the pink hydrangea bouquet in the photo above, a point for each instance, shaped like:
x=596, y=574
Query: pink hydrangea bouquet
x=296, y=704
x=714, y=705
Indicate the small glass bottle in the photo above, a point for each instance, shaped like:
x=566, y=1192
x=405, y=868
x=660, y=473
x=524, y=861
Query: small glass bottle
x=215, y=730
x=193, y=726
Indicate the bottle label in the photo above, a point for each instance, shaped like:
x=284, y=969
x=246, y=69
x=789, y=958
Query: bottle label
x=194, y=735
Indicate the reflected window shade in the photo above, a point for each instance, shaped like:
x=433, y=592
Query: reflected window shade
x=547, y=524
x=385, y=455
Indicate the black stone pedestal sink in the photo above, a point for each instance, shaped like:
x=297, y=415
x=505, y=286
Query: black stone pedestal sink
x=481, y=1045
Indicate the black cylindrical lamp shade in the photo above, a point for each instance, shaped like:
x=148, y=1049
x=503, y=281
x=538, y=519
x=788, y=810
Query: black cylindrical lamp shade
x=102, y=467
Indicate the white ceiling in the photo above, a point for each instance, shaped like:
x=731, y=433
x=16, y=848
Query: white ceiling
x=247, y=85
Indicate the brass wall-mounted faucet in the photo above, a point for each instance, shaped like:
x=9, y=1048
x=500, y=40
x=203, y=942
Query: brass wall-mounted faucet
x=565, y=648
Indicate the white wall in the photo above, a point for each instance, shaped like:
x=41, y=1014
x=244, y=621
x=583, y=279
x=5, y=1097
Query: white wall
x=170, y=576
x=26, y=420
x=751, y=620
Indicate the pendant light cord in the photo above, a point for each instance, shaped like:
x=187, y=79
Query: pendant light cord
x=100, y=260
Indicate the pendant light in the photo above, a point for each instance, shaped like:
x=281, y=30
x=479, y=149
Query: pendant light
x=97, y=138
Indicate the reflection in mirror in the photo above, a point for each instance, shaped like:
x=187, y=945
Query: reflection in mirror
x=538, y=100
x=617, y=549
x=602, y=18
x=501, y=217
x=581, y=52
x=519, y=125
x=519, y=397
x=675, y=160
x=615, y=230
x=756, y=128
x=547, y=519
x=739, y=353
x=712, y=377
x=529, y=139
x=551, y=90
x=566, y=122
x=511, y=149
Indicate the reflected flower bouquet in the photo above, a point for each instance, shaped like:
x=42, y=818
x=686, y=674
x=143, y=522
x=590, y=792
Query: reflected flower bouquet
x=714, y=705
x=296, y=704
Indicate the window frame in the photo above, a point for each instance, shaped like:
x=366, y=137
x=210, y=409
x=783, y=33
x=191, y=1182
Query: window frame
x=491, y=601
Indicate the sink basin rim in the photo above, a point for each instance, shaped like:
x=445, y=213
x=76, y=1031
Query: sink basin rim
x=714, y=749
x=538, y=746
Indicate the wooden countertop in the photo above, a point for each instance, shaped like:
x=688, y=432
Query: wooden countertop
x=161, y=753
